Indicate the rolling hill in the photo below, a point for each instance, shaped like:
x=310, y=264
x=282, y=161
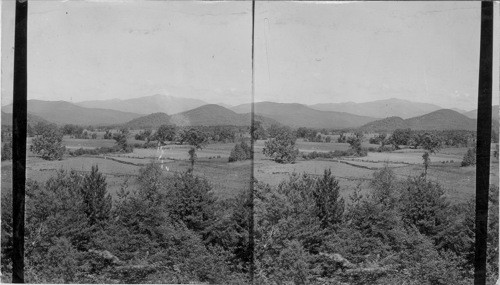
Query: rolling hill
x=444, y=119
x=32, y=119
x=151, y=121
x=207, y=115
x=381, y=108
x=385, y=125
x=62, y=112
x=147, y=105
x=298, y=115
x=494, y=113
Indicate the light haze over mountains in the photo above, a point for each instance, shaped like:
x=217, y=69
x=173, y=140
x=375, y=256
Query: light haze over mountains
x=152, y=111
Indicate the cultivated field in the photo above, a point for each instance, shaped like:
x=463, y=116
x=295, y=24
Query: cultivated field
x=459, y=182
x=229, y=179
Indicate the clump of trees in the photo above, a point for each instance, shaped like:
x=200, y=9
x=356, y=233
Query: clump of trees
x=281, y=146
x=342, y=138
x=121, y=141
x=48, y=142
x=431, y=144
x=144, y=135
x=164, y=230
x=355, y=144
x=469, y=157
x=402, y=231
x=7, y=150
x=415, y=139
x=259, y=133
x=6, y=143
x=108, y=135
x=400, y=137
x=196, y=139
x=165, y=133
x=379, y=139
x=241, y=151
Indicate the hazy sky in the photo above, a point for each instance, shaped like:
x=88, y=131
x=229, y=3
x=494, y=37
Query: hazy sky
x=312, y=52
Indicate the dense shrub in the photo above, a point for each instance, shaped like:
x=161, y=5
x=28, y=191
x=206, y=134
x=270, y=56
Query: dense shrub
x=281, y=147
x=143, y=135
x=48, y=142
x=386, y=148
x=399, y=232
x=469, y=157
x=100, y=150
x=334, y=154
x=240, y=151
x=7, y=150
x=165, y=230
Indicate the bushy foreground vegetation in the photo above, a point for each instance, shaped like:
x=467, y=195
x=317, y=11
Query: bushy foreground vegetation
x=403, y=232
x=167, y=230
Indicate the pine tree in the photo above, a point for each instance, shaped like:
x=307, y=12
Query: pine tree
x=97, y=203
x=329, y=204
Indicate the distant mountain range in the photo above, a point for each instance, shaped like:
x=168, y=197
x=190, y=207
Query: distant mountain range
x=290, y=114
x=444, y=119
x=207, y=115
x=380, y=108
x=298, y=115
x=62, y=112
x=147, y=105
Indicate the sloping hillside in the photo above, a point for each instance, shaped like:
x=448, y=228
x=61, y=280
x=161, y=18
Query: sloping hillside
x=298, y=115
x=147, y=105
x=62, y=112
x=152, y=121
x=494, y=113
x=207, y=115
x=32, y=119
x=384, y=125
x=381, y=108
x=444, y=119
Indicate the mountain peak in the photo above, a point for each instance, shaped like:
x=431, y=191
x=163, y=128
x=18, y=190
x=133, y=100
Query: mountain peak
x=380, y=108
x=147, y=104
x=442, y=119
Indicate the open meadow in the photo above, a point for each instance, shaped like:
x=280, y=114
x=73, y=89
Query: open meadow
x=445, y=168
x=227, y=179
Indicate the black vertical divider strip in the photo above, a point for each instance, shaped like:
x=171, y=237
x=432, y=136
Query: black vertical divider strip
x=19, y=121
x=251, y=233
x=483, y=140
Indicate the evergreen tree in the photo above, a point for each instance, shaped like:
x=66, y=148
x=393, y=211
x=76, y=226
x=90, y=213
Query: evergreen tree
x=96, y=200
x=329, y=204
x=423, y=205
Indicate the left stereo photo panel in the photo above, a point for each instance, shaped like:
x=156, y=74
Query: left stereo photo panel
x=138, y=169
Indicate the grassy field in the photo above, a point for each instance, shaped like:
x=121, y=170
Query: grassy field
x=85, y=143
x=409, y=157
x=459, y=182
x=229, y=179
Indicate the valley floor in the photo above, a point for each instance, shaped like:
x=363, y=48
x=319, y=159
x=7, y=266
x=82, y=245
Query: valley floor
x=229, y=179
